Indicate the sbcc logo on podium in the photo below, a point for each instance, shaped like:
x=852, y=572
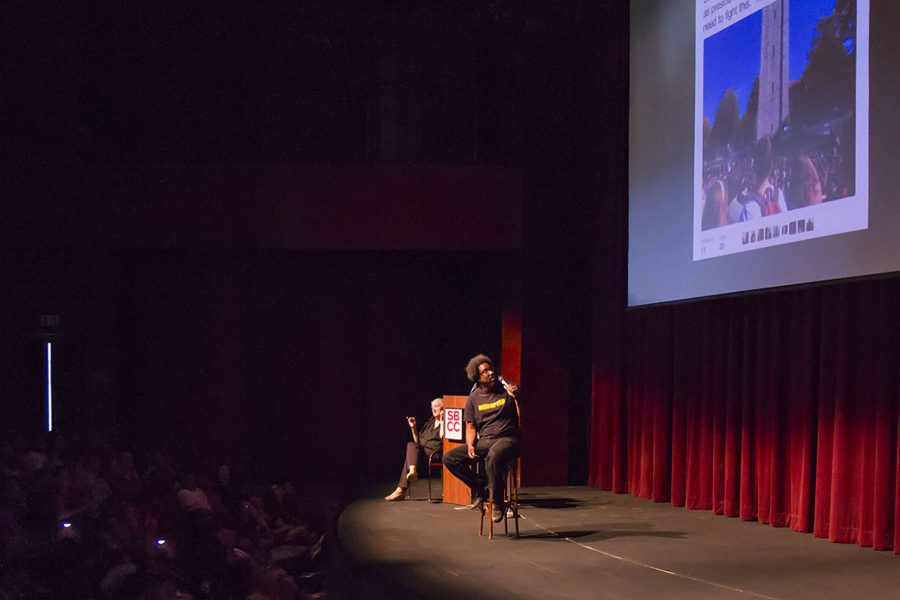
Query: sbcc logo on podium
x=453, y=429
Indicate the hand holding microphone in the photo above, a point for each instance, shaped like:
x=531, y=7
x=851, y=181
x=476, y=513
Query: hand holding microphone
x=509, y=387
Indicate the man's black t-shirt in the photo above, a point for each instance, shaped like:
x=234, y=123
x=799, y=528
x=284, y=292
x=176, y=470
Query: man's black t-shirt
x=494, y=414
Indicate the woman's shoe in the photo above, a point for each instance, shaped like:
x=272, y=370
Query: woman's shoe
x=396, y=495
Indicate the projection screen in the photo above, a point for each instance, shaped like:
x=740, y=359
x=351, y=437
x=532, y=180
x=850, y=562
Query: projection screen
x=762, y=137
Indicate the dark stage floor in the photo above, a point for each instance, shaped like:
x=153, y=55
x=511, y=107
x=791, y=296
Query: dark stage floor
x=578, y=542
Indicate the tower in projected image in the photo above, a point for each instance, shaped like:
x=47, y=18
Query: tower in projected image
x=773, y=69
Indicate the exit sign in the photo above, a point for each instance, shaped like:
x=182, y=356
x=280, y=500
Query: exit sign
x=49, y=321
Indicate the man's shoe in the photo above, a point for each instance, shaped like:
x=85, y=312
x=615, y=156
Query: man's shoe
x=498, y=512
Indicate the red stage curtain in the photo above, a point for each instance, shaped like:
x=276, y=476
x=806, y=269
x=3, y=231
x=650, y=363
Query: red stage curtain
x=779, y=407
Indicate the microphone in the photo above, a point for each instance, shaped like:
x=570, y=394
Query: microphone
x=506, y=385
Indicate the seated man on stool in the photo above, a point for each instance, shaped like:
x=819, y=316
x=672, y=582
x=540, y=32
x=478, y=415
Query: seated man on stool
x=492, y=414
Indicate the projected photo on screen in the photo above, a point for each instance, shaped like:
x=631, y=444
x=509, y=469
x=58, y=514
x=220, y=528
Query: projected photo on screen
x=781, y=128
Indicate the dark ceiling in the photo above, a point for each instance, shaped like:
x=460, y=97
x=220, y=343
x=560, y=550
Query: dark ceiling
x=339, y=82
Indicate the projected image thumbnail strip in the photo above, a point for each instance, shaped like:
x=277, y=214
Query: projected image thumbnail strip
x=781, y=122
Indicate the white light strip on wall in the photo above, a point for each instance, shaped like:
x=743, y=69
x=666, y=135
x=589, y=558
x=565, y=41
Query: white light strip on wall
x=49, y=386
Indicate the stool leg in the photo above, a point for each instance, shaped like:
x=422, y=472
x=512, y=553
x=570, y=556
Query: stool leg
x=516, y=505
x=481, y=528
x=508, y=497
x=491, y=518
x=491, y=522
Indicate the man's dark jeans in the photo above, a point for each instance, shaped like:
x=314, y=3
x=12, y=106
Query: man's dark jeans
x=497, y=454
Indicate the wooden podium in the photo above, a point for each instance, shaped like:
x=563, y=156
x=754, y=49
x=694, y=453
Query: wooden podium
x=455, y=491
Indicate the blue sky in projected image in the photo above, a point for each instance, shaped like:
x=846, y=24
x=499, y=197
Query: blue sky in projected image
x=731, y=57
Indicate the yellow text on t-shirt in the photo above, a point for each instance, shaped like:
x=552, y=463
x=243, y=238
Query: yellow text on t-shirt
x=490, y=405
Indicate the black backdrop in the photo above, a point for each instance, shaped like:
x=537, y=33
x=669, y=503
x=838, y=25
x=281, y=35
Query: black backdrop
x=294, y=84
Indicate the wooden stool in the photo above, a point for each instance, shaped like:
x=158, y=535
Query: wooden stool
x=510, y=499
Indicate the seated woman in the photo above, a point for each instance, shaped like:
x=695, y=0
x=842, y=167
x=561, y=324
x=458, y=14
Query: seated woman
x=428, y=439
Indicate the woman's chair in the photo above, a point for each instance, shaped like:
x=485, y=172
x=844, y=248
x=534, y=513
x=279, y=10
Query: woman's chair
x=434, y=462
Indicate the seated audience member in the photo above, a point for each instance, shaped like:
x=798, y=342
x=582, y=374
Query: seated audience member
x=252, y=530
x=273, y=583
x=429, y=439
x=276, y=529
x=82, y=486
x=291, y=503
x=122, y=530
x=219, y=511
x=113, y=548
x=159, y=478
x=275, y=504
x=35, y=458
x=100, y=489
x=191, y=498
x=10, y=478
x=12, y=536
x=221, y=489
x=123, y=477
